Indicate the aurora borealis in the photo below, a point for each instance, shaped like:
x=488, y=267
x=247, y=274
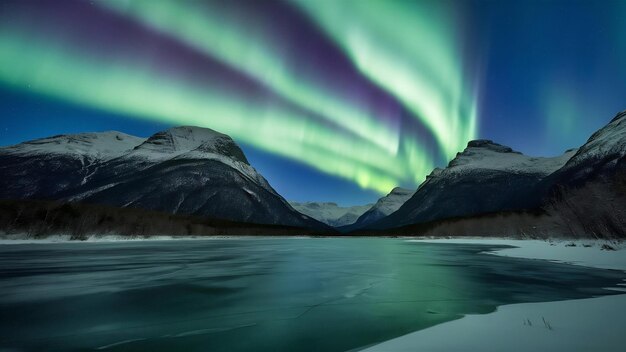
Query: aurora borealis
x=369, y=93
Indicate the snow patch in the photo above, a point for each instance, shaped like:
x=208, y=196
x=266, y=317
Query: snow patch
x=594, y=324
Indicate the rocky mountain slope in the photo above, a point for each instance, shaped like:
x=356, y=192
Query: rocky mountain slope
x=182, y=170
x=491, y=189
x=486, y=177
x=600, y=157
x=588, y=194
x=383, y=207
x=331, y=213
x=46, y=167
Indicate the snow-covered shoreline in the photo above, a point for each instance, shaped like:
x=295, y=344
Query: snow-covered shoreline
x=20, y=239
x=594, y=324
x=577, y=252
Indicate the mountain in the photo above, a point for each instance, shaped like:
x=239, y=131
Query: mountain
x=588, y=194
x=383, y=207
x=489, y=189
x=601, y=156
x=182, y=170
x=330, y=213
x=486, y=177
x=46, y=167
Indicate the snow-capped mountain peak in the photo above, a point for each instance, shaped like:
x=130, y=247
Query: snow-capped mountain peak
x=176, y=141
x=182, y=170
x=97, y=145
x=602, y=155
x=485, y=177
x=608, y=142
x=330, y=213
x=383, y=207
x=487, y=155
x=392, y=201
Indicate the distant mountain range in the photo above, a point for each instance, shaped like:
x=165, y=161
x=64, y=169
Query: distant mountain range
x=182, y=170
x=347, y=219
x=383, y=207
x=331, y=213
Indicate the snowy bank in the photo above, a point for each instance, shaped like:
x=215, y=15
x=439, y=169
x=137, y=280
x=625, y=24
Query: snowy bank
x=24, y=239
x=594, y=324
x=585, y=252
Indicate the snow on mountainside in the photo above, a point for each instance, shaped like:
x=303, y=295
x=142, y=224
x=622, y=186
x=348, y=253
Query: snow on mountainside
x=46, y=167
x=391, y=202
x=608, y=141
x=182, y=170
x=178, y=141
x=487, y=155
x=601, y=154
x=383, y=207
x=331, y=213
x=485, y=177
x=189, y=143
x=101, y=145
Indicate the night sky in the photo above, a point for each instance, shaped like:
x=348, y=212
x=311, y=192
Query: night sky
x=331, y=100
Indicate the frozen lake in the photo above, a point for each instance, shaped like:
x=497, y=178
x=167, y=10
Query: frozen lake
x=260, y=294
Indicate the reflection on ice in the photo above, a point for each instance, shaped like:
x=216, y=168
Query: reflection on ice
x=259, y=294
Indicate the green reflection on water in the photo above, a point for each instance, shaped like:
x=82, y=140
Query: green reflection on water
x=261, y=295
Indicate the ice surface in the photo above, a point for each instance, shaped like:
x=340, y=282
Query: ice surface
x=594, y=324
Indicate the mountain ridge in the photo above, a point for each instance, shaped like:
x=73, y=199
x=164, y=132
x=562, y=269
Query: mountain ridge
x=483, y=178
x=581, y=192
x=382, y=208
x=330, y=213
x=186, y=170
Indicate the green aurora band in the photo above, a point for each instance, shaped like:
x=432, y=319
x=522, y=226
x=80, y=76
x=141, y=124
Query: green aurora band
x=248, y=48
x=350, y=143
x=34, y=65
x=423, y=73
